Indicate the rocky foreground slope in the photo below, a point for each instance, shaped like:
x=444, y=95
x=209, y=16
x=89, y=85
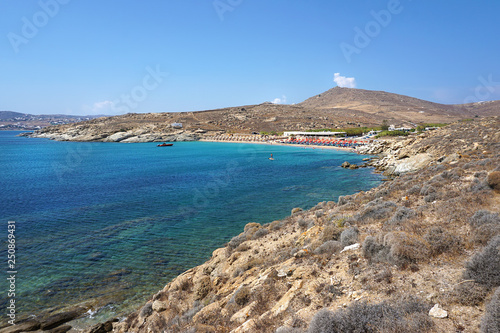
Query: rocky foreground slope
x=420, y=253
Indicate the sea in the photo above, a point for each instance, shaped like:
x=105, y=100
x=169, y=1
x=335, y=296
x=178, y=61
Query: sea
x=110, y=224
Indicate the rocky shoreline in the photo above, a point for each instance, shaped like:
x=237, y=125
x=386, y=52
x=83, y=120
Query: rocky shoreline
x=410, y=242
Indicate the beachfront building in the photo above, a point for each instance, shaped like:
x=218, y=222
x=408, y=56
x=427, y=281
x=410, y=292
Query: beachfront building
x=314, y=134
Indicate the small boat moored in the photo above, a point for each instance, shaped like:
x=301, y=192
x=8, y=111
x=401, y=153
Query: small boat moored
x=165, y=145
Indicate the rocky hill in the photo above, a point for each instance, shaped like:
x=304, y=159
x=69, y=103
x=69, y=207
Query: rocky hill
x=389, y=106
x=420, y=253
x=336, y=108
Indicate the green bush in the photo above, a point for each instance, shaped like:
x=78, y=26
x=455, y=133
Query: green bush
x=392, y=133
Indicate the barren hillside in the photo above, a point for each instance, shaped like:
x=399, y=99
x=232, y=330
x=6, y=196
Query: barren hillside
x=387, y=105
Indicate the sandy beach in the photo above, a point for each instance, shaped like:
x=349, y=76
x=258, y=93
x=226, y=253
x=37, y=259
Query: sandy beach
x=350, y=149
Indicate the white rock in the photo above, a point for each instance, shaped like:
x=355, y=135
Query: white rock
x=438, y=312
x=351, y=247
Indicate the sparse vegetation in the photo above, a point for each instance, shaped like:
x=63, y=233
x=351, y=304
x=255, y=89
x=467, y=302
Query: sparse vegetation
x=484, y=266
x=401, y=315
x=491, y=319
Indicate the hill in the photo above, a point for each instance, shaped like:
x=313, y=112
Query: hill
x=335, y=108
x=389, y=106
x=10, y=120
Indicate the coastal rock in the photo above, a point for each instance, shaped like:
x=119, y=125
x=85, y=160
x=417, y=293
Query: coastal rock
x=345, y=165
x=61, y=318
x=412, y=163
x=61, y=329
x=117, y=137
x=241, y=316
x=438, y=312
x=102, y=328
x=296, y=210
x=27, y=326
x=159, y=306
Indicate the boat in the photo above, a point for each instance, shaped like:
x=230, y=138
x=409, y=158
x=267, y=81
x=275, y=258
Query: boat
x=165, y=145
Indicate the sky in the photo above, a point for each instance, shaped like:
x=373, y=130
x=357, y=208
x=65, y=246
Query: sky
x=88, y=57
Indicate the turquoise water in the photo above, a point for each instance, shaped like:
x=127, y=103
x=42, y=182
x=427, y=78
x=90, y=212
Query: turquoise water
x=115, y=222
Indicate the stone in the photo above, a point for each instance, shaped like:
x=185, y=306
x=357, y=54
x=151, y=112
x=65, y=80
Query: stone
x=60, y=329
x=351, y=247
x=159, y=306
x=61, y=318
x=296, y=210
x=241, y=316
x=345, y=165
x=438, y=312
x=26, y=326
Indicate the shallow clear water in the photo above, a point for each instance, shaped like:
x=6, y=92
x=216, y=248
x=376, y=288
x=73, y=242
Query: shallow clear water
x=115, y=222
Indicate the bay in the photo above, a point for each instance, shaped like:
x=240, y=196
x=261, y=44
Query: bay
x=115, y=222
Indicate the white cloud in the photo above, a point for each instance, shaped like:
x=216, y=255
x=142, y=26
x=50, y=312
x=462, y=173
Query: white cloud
x=104, y=108
x=281, y=100
x=342, y=81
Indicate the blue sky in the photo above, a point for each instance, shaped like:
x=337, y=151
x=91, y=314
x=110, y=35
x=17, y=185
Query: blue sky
x=117, y=56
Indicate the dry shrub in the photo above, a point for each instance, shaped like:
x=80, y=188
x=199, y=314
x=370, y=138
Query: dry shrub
x=286, y=329
x=374, y=251
x=242, y=296
x=251, y=229
x=415, y=189
x=376, y=210
x=402, y=214
x=203, y=287
x=406, y=248
x=251, y=263
x=260, y=233
x=329, y=247
x=442, y=241
x=427, y=189
x=276, y=225
x=243, y=247
x=399, y=315
x=349, y=236
x=491, y=319
x=479, y=185
x=236, y=241
x=146, y=310
x=484, y=266
x=189, y=314
x=398, y=247
x=494, y=180
x=331, y=232
x=485, y=226
x=468, y=293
